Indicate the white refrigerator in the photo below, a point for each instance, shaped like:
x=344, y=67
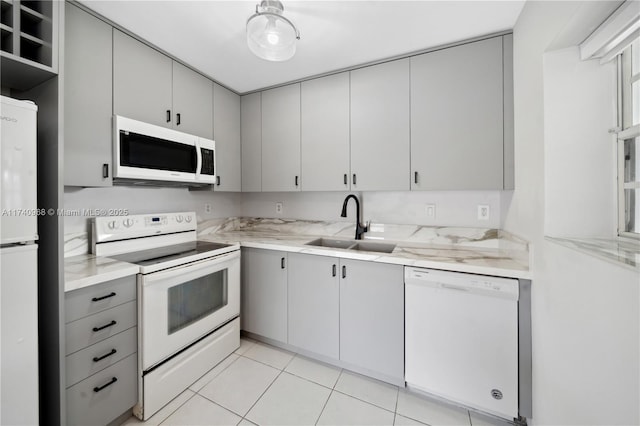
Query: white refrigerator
x=18, y=264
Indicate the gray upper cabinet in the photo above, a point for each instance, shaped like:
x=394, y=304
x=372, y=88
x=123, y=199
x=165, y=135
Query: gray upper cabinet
x=87, y=99
x=192, y=102
x=251, y=142
x=142, y=81
x=325, y=133
x=372, y=318
x=281, y=139
x=507, y=52
x=226, y=133
x=151, y=87
x=313, y=304
x=380, y=127
x=457, y=118
x=264, y=293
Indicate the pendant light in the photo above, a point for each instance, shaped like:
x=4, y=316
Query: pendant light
x=270, y=35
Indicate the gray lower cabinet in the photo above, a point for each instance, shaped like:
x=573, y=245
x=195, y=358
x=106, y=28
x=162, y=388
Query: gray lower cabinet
x=372, y=318
x=264, y=293
x=251, y=141
x=101, y=352
x=226, y=133
x=325, y=138
x=457, y=118
x=87, y=99
x=281, y=139
x=380, y=127
x=314, y=304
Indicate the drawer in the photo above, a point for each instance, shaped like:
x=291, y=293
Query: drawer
x=88, y=404
x=97, y=298
x=88, y=361
x=87, y=331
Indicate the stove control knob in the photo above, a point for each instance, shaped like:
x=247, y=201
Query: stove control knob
x=179, y=218
x=128, y=222
x=188, y=219
x=112, y=224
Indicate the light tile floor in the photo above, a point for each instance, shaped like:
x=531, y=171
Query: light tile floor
x=263, y=385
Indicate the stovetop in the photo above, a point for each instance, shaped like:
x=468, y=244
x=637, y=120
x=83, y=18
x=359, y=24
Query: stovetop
x=170, y=253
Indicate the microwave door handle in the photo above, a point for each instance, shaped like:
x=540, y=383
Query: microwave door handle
x=198, y=159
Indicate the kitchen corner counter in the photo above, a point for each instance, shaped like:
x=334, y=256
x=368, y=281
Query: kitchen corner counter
x=87, y=269
x=478, y=251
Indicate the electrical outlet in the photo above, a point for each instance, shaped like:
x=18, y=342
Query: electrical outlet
x=207, y=208
x=279, y=207
x=430, y=210
x=483, y=212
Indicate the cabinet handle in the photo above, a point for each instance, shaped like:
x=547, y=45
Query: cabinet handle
x=97, y=299
x=333, y=270
x=282, y=263
x=111, y=324
x=105, y=171
x=296, y=180
x=177, y=119
x=354, y=178
x=415, y=177
x=100, y=358
x=345, y=179
x=99, y=388
x=344, y=271
x=168, y=116
x=218, y=180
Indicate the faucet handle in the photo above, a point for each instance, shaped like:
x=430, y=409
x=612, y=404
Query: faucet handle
x=367, y=226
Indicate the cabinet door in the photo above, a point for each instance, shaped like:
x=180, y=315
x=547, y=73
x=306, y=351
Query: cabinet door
x=192, y=102
x=141, y=81
x=251, y=136
x=372, y=317
x=313, y=302
x=456, y=117
x=325, y=133
x=380, y=127
x=281, y=139
x=264, y=293
x=226, y=133
x=87, y=99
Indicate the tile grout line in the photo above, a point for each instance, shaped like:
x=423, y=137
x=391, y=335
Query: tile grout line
x=362, y=400
x=177, y=408
x=261, y=395
x=324, y=407
x=221, y=371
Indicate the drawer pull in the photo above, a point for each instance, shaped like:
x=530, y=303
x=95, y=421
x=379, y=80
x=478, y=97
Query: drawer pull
x=100, y=358
x=112, y=323
x=344, y=271
x=333, y=270
x=97, y=299
x=99, y=388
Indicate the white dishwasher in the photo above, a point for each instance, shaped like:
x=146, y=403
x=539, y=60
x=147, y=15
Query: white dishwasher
x=461, y=338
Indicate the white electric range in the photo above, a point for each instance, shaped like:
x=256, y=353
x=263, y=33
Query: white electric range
x=188, y=299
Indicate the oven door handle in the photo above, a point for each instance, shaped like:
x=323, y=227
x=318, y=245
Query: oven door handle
x=191, y=271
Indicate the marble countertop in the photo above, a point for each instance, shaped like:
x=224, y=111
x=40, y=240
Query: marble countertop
x=480, y=251
x=624, y=253
x=87, y=269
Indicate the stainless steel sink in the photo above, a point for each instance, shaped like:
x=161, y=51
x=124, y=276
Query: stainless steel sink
x=376, y=247
x=330, y=242
x=353, y=245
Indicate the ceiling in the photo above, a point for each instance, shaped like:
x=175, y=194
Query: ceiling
x=210, y=35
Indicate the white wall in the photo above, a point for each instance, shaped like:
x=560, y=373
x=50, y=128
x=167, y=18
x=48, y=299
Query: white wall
x=453, y=208
x=585, y=311
x=579, y=153
x=146, y=200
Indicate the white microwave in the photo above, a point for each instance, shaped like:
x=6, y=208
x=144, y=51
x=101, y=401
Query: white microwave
x=145, y=152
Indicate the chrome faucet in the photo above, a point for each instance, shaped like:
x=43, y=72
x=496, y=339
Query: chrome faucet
x=359, y=228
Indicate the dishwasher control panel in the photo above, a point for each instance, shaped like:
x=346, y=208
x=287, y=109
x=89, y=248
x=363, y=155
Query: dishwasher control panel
x=497, y=286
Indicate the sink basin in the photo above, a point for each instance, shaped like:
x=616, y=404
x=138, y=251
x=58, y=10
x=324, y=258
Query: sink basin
x=329, y=242
x=351, y=245
x=376, y=247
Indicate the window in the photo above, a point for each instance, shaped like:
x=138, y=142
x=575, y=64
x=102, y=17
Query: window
x=629, y=143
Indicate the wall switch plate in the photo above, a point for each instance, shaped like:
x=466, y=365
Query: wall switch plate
x=430, y=210
x=207, y=208
x=483, y=212
x=279, y=207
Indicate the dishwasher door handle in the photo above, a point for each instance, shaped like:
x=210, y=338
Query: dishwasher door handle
x=454, y=287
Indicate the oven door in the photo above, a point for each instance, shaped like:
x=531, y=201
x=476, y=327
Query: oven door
x=182, y=304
